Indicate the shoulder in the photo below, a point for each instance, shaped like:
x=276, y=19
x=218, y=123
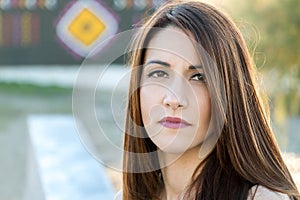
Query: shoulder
x=255, y=193
x=263, y=193
x=118, y=196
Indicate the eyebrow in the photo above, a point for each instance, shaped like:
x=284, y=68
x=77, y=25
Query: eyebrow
x=195, y=67
x=165, y=64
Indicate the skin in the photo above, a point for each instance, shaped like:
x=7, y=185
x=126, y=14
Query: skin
x=173, y=85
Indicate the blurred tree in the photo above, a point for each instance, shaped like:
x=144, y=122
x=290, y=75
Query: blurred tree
x=278, y=23
x=272, y=31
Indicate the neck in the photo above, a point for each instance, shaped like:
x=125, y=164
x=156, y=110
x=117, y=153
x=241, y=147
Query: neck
x=178, y=174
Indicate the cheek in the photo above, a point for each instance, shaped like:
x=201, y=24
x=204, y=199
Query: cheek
x=146, y=100
x=201, y=106
x=204, y=108
x=150, y=104
x=204, y=104
x=201, y=111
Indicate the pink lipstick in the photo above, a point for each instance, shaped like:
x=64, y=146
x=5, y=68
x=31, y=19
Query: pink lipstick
x=174, y=122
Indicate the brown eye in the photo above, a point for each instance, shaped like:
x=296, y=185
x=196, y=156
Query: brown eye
x=198, y=77
x=157, y=74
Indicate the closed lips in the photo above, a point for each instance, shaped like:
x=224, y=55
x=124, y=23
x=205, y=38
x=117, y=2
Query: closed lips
x=174, y=122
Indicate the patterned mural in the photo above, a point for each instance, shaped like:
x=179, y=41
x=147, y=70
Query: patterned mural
x=84, y=25
x=64, y=31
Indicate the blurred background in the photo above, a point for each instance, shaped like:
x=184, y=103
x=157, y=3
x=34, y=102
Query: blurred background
x=44, y=42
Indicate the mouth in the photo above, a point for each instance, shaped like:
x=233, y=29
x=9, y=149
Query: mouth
x=174, y=123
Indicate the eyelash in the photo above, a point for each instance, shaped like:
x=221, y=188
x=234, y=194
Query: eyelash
x=202, y=77
x=156, y=72
x=162, y=74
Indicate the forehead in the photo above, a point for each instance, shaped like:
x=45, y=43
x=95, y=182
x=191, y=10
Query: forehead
x=172, y=41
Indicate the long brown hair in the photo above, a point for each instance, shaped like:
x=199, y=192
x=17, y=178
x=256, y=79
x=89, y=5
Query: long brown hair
x=246, y=153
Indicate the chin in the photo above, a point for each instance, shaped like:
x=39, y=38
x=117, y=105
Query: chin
x=173, y=151
x=174, y=147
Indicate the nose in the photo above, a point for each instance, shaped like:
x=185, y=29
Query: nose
x=174, y=100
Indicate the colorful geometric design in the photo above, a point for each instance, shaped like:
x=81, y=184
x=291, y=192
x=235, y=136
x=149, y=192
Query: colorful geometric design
x=1, y=30
x=84, y=25
x=19, y=30
x=36, y=29
x=28, y=4
x=16, y=29
x=26, y=29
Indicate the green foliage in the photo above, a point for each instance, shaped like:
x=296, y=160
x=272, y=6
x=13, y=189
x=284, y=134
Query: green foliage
x=17, y=99
x=276, y=26
x=33, y=89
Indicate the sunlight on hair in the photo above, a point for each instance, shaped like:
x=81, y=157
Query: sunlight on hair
x=214, y=2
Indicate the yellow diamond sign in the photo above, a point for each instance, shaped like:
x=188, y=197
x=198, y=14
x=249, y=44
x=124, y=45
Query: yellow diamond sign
x=86, y=27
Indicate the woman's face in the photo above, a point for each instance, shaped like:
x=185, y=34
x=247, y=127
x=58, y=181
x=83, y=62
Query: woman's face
x=175, y=101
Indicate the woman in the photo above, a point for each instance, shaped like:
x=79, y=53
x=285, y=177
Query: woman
x=195, y=126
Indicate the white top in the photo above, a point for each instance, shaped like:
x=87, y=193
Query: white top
x=262, y=193
x=118, y=196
